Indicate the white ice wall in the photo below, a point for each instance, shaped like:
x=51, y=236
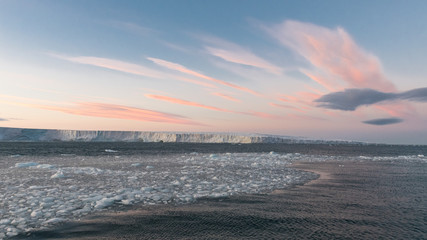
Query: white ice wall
x=34, y=135
x=18, y=134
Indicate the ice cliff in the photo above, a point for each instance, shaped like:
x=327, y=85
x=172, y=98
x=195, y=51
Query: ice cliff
x=32, y=135
x=51, y=135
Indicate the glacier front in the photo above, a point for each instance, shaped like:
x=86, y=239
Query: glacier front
x=49, y=135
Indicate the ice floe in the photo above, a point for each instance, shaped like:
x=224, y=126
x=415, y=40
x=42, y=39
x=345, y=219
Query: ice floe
x=111, y=151
x=26, y=164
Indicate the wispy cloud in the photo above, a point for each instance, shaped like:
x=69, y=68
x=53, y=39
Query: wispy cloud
x=383, y=121
x=225, y=96
x=285, y=106
x=124, y=112
x=350, y=99
x=321, y=80
x=397, y=109
x=234, y=53
x=97, y=109
x=180, y=68
x=302, y=98
x=334, y=53
x=255, y=75
x=338, y=63
x=197, y=82
x=114, y=64
x=104, y=110
x=199, y=105
x=185, y=102
x=131, y=68
x=3, y=119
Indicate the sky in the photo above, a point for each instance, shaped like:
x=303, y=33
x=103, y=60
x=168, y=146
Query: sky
x=342, y=70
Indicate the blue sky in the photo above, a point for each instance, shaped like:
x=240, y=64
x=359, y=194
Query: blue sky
x=282, y=67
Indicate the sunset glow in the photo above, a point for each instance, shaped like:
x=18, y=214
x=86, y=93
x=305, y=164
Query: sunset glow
x=282, y=67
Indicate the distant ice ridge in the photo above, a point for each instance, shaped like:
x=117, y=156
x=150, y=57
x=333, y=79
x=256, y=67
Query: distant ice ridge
x=36, y=192
x=21, y=134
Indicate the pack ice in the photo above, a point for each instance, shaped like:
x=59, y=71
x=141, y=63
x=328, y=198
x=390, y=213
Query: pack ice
x=36, y=192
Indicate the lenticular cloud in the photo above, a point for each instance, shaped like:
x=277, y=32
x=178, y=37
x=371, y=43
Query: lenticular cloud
x=383, y=121
x=350, y=99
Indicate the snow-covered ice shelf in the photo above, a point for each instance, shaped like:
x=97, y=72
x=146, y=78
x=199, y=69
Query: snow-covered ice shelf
x=53, y=135
x=36, y=192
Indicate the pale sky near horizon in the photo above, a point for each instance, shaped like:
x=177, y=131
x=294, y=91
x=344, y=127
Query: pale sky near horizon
x=353, y=70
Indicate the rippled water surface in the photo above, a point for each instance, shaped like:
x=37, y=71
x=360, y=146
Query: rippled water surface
x=370, y=191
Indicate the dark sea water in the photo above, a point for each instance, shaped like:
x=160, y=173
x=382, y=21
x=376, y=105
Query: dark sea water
x=132, y=148
x=365, y=192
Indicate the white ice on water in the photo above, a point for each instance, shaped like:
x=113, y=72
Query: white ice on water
x=37, y=192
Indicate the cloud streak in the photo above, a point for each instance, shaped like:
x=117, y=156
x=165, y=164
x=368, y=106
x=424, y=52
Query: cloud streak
x=3, y=119
x=334, y=53
x=285, y=106
x=130, y=68
x=197, y=82
x=180, y=68
x=199, y=105
x=185, y=102
x=383, y=121
x=234, y=53
x=225, y=96
x=104, y=110
x=350, y=99
x=113, y=64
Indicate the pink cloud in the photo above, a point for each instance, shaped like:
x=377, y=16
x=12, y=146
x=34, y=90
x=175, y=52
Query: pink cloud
x=334, y=53
x=96, y=109
x=308, y=96
x=285, y=106
x=225, y=96
x=244, y=58
x=113, y=64
x=118, y=111
x=303, y=98
x=397, y=109
x=288, y=99
x=180, y=68
x=314, y=90
x=204, y=84
x=185, y=102
x=195, y=104
x=127, y=67
x=234, y=53
x=323, y=81
x=339, y=62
